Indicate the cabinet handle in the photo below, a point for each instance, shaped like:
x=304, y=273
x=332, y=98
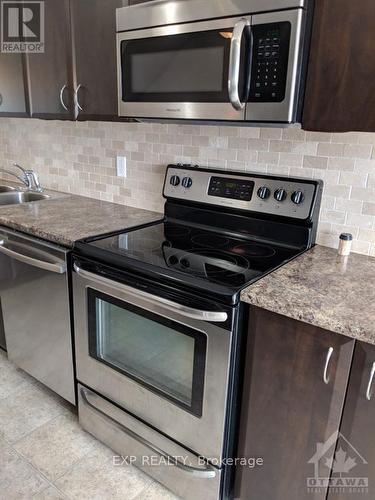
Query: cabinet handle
x=63, y=88
x=1, y=99
x=77, y=98
x=368, y=392
x=328, y=359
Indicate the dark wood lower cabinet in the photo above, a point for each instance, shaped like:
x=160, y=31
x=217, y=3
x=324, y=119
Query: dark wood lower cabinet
x=293, y=398
x=355, y=451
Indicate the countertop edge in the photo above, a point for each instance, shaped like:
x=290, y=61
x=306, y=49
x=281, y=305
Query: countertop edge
x=42, y=235
x=328, y=326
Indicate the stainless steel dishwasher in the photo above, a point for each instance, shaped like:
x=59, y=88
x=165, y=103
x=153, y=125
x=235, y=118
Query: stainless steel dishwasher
x=34, y=297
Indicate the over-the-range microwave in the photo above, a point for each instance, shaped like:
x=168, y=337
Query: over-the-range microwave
x=241, y=61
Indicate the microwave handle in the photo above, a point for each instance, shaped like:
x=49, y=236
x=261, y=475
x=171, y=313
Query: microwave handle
x=189, y=312
x=235, y=63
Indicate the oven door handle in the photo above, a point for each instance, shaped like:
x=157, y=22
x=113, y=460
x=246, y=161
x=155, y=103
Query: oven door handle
x=211, y=316
x=235, y=64
x=204, y=472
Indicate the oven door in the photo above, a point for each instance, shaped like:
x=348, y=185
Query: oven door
x=164, y=362
x=196, y=71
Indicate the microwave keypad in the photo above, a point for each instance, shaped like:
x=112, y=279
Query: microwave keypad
x=270, y=62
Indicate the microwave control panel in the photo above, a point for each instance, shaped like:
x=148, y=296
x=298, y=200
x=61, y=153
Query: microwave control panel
x=270, y=62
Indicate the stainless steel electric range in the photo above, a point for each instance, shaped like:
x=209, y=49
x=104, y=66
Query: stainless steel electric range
x=159, y=326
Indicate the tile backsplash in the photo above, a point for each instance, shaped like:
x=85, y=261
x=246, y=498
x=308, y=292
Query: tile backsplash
x=80, y=158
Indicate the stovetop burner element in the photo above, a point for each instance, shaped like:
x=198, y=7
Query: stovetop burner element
x=212, y=241
x=255, y=250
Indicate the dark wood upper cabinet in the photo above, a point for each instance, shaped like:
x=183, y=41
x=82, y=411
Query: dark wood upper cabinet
x=295, y=381
x=50, y=73
x=357, y=439
x=94, y=45
x=13, y=101
x=340, y=93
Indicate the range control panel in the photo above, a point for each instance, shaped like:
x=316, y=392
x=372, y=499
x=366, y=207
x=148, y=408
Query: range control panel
x=270, y=62
x=235, y=189
x=271, y=195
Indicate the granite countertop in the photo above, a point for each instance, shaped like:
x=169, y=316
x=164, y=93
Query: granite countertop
x=65, y=218
x=320, y=288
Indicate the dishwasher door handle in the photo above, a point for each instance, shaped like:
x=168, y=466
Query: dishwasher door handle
x=189, y=312
x=58, y=267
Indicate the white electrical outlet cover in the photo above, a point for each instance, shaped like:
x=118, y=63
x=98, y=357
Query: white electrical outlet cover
x=121, y=166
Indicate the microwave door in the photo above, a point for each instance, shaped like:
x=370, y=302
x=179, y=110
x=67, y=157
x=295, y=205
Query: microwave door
x=196, y=71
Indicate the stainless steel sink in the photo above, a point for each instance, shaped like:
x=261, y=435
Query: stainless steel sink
x=6, y=189
x=17, y=197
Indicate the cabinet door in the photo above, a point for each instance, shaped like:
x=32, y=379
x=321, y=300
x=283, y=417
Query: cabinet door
x=355, y=451
x=340, y=93
x=94, y=32
x=50, y=73
x=293, y=395
x=12, y=89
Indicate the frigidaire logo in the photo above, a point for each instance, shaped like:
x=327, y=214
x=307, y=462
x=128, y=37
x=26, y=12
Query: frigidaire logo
x=22, y=26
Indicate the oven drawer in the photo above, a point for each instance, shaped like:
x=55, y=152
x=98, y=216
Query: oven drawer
x=169, y=463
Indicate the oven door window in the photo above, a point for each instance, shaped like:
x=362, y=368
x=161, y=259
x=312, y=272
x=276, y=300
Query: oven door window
x=188, y=67
x=165, y=356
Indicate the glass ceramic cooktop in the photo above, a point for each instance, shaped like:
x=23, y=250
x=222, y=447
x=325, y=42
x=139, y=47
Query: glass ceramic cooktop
x=200, y=253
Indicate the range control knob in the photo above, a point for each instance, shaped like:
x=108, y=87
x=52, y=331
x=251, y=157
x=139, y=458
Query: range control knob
x=264, y=193
x=280, y=194
x=175, y=180
x=298, y=197
x=187, y=182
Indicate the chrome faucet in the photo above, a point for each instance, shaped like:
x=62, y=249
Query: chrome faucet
x=28, y=177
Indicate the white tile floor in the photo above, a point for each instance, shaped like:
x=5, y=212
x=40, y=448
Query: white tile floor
x=44, y=453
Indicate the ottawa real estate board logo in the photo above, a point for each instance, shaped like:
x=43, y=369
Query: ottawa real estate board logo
x=22, y=26
x=339, y=468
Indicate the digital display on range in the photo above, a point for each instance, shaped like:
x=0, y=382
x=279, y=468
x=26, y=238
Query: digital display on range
x=235, y=189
